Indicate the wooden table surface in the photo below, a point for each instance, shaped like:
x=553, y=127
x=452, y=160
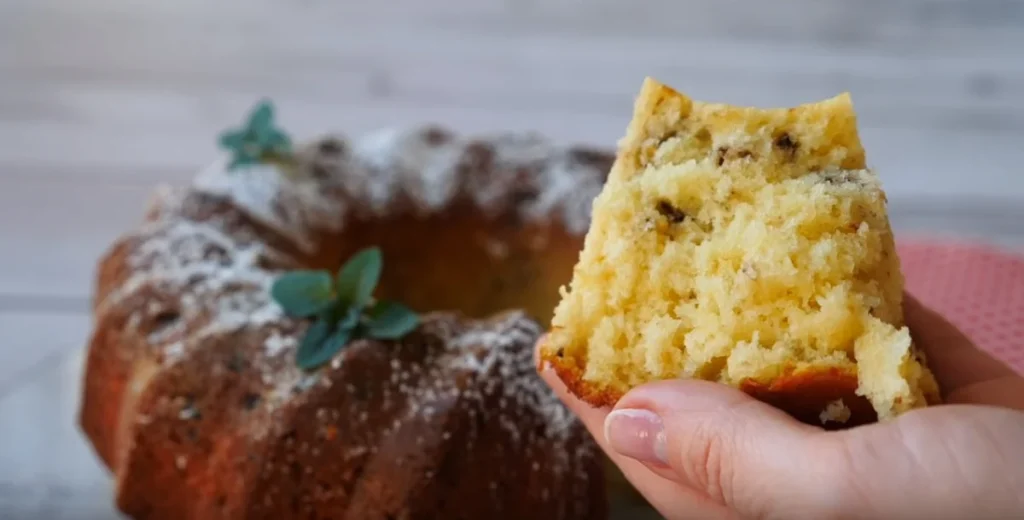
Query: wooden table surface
x=101, y=99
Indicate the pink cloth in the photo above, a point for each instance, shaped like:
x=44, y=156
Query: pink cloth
x=977, y=287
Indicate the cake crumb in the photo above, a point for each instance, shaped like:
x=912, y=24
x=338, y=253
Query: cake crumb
x=835, y=411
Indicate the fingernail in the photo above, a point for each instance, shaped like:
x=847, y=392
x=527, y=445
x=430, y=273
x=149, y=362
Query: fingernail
x=638, y=434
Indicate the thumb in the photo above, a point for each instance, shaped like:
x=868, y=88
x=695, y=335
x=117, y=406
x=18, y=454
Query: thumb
x=719, y=441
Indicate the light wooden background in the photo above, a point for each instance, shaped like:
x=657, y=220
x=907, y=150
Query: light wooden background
x=101, y=99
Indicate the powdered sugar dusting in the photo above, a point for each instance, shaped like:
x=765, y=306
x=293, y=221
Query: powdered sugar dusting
x=296, y=205
x=277, y=344
x=405, y=161
x=570, y=189
x=429, y=167
x=254, y=189
x=174, y=351
x=521, y=173
x=505, y=364
x=195, y=280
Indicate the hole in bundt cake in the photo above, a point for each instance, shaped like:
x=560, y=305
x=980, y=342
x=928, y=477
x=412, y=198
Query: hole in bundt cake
x=462, y=260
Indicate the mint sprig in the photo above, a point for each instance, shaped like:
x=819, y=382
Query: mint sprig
x=342, y=307
x=258, y=140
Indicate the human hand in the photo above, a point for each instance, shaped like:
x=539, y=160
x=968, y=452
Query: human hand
x=697, y=449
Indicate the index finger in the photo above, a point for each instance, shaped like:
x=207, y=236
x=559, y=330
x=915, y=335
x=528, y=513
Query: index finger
x=665, y=495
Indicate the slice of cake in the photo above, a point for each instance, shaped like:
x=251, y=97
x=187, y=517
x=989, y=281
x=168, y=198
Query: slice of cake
x=746, y=246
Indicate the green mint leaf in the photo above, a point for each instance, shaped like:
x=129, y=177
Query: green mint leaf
x=320, y=344
x=303, y=293
x=261, y=118
x=358, y=278
x=232, y=139
x=390, y=320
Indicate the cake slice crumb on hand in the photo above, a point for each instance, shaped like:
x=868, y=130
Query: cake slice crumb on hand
x=746, y=246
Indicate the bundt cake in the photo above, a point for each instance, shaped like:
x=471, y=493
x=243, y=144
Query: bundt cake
x=746, y=246
x=195, y=392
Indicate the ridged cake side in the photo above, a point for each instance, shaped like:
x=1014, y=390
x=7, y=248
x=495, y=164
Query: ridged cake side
x=192, y=396
x=747, y=246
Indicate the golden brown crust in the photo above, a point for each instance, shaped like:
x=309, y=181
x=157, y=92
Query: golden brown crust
x=804, y=395
x=572, y=376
